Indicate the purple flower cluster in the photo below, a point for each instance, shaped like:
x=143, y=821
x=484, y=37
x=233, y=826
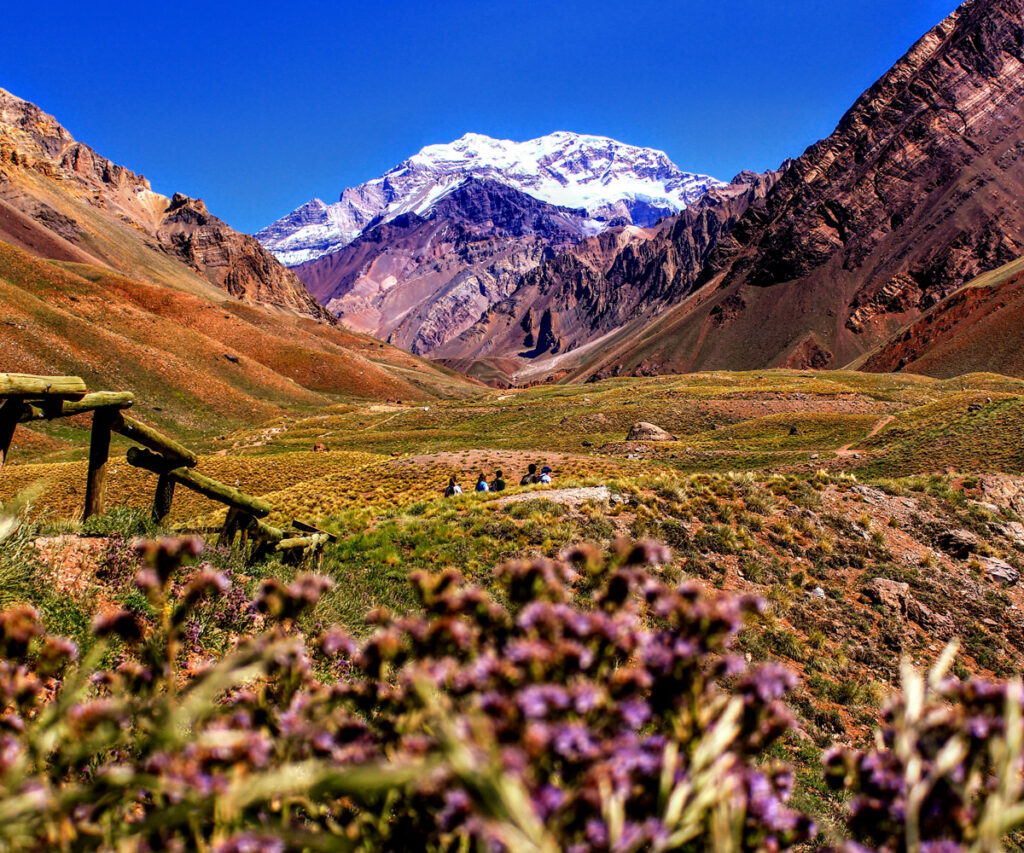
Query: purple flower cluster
x=585, y=709
x=946, y=775
x=589, y=706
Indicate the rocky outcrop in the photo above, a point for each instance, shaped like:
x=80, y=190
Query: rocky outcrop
x=233, y=261
x=896, y=598
x=957, y=543
x=889, y=593
x=60, y=199
x=999, y=570
x=1004, y=490
x=977, y=328
x=644, y=431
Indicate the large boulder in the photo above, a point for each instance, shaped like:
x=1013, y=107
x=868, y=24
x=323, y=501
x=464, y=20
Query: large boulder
x=1003, y=490
x=940, y=625
x=644, y=431
x=1012, y=530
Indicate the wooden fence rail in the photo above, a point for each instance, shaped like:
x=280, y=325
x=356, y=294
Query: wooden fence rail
x=25, y=398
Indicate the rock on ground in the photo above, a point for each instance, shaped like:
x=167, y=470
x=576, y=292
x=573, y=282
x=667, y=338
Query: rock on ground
x=889, y=593
x=957, y=543
x=999, y=570
x=570, y=497
x=644, y=431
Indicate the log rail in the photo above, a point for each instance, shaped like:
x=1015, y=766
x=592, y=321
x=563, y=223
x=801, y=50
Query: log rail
x=25, y=399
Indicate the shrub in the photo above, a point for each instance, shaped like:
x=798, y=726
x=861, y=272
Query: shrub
x=946, y=775
x=120, y=521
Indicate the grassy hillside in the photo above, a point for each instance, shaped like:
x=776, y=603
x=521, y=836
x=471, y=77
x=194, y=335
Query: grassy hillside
x=393, y=454
x=802, y=488
x=196, y=366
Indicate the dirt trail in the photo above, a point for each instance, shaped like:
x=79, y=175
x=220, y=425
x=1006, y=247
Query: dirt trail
x=570, y=497
x=846, y=449
x=381, y=423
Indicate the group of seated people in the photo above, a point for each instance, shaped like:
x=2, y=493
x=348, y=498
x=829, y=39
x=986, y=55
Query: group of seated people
x=530, y=478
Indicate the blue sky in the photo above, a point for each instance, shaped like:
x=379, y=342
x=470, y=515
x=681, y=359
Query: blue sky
x=257, y=107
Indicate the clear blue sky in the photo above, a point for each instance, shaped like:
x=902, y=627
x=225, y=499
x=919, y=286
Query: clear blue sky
x=257, y=107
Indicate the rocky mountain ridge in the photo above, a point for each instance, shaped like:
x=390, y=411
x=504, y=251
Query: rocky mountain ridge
x=419, y=280
x=60, y=199
x=615, y=183
x=605, y=283
x=103, y=278
x=916, y=192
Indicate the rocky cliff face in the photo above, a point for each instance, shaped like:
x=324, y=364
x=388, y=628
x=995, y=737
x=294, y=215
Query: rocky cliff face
x=420, y=280
x=60, y=199
x=613, y=182
x=609, y=281
x=236, y=262
x=917, y=191
x=978, y=328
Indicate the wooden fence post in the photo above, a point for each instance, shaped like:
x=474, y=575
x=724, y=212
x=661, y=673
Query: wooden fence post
x=227, y=533
x=163, y=499
x=10, y=412
x=99, y=453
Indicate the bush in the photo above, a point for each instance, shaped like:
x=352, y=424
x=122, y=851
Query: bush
x=947, y=773
x=540, y=724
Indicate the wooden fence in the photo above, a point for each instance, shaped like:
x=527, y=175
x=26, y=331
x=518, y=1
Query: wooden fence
x=24, y=399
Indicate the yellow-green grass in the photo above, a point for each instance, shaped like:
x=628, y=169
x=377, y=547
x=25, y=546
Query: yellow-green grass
x=390, y=455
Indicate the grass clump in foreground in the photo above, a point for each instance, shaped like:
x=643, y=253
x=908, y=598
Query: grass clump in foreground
x=599, y=708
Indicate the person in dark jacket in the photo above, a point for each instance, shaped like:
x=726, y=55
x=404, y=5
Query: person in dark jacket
x=530, y=477
x=498, y=484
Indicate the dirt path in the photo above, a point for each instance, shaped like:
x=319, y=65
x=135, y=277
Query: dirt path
x=570, y=497
x=381, y=423
x=847, y=449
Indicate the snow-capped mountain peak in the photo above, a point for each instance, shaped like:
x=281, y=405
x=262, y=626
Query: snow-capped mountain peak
x=608, y=179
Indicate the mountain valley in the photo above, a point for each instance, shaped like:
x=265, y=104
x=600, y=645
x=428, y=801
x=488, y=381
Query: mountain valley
x=814, y=265
x=535, y=495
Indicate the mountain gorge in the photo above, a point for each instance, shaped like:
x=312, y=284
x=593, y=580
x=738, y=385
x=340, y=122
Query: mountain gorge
x=570, y=305
x=420, y=255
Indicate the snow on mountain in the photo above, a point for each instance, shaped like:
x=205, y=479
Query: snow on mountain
x=612, y=181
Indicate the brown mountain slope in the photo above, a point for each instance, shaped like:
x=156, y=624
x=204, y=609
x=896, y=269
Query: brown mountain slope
x=618, y=279
x=60, y=199
x=979, y=327
x=917, y=191
x=419, y=281
x=194, y=364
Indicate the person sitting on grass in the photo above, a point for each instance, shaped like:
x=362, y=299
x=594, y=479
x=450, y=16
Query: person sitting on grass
x=498, y=484
x=530, y=477
x=453, y=488
x=545, y=475
x=481, y=483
